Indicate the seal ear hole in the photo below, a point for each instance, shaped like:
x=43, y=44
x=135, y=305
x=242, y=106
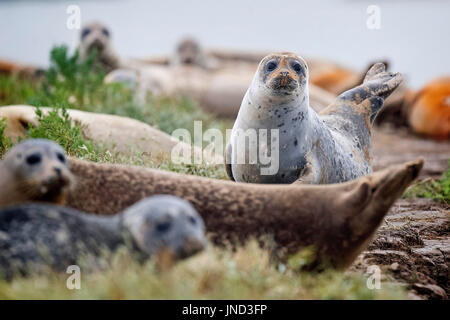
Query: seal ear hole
x=34, y=159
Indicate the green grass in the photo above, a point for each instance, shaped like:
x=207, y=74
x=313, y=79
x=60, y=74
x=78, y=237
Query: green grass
x=217, y=273
x=438, y=190
x=5, y=143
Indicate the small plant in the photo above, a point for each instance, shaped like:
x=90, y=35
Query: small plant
x=69, y=81
x=57, y=125
x=433, y=189
x=5, y=142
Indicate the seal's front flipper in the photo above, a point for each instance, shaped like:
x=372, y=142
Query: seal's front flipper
x=228, y=169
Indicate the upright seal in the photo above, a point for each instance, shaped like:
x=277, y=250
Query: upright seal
x=276, y=118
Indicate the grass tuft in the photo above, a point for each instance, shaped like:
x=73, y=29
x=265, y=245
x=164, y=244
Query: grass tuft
x=5, y=142
x=438, y=190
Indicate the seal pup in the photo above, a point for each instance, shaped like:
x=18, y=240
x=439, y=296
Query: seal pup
x=34, y=170
x=35, y=236
x=327, y=147
x=338, y=219
x=95, y=36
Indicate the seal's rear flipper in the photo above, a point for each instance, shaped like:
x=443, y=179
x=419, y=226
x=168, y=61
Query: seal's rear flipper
x=378, y=84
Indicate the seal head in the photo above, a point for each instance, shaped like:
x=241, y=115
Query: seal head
x=283, y=74
x=95, y=36
x=165, y=224
x=35, y=170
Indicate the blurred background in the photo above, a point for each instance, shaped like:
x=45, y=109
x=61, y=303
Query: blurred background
x=413, y=35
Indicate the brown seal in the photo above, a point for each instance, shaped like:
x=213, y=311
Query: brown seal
x=34, y=170
x=339, y=219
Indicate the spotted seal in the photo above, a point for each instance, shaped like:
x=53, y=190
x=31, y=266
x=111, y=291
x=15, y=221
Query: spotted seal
x=34, y=170
x=36, y=236
x=275, y=117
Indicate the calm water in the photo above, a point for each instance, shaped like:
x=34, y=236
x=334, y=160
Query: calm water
x=414, y=35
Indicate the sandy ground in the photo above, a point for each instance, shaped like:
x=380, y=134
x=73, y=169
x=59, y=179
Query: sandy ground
x=412, y=246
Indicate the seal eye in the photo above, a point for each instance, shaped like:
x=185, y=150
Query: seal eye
x=61, y=157
x=105, y=32
x=271, y=65
x=297, y=67
x=33, y=159
x=85, y=33
x=163, y=227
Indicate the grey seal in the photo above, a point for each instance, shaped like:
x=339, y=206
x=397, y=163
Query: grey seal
x=95, y=36
x=34, y=170
x=276, y=124
x=36, y=236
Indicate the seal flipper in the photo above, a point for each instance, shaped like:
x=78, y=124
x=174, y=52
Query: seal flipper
x=228, y=153
x=378, y=84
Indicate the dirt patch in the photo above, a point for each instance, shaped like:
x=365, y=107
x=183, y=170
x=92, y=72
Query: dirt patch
x=396, y=146
x=412, y=246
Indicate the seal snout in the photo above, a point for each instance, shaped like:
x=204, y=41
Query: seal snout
x=191, y=246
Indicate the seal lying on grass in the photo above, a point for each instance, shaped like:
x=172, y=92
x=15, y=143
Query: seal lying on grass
x=327, y=147
x=337, y=219
x=38, y=236
x=34, y=170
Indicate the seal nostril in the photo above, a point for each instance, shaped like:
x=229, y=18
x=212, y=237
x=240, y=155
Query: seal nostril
x=58, y=171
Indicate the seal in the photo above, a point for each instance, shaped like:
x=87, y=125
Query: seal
x=95, y=36
x=428, y=110
x=189, y=52
x=337, y=219
x=327, y=147
x=122, y=134
x=34, y=170
x=35, y=236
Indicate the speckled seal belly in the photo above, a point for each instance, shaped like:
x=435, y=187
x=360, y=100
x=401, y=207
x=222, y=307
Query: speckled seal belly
x=329, y=147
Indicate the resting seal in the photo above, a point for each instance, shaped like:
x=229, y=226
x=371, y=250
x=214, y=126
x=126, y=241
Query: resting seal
x=327, y=147
x=34, y=170
x=337, y=219
x=96, y=36
x=37, y=236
